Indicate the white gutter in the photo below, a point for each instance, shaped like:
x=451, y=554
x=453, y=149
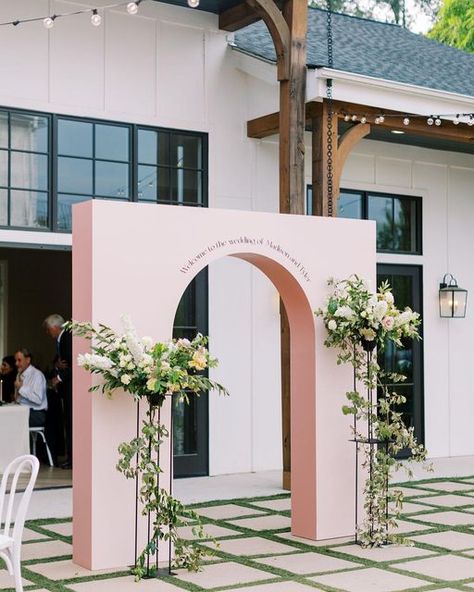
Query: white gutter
x=388, y=94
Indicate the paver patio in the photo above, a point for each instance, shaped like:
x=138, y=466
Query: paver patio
x=257, y=552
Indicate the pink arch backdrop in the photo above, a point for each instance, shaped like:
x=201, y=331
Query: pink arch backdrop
x=138, y=259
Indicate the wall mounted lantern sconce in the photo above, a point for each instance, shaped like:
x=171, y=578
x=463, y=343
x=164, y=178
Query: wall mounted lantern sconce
x=452, y=298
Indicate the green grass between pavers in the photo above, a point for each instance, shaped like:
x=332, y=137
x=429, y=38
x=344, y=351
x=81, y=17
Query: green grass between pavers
x=277, y=574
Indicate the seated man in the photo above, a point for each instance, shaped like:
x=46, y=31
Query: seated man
x=30, y=388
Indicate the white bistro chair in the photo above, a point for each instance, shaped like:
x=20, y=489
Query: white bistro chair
x=13, y=519
x=34, y=433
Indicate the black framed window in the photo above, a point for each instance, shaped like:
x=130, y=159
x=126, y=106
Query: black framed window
x=50, y=162
x=398, y=218
x=24, y=170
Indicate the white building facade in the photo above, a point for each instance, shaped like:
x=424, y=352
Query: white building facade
x=153, y=107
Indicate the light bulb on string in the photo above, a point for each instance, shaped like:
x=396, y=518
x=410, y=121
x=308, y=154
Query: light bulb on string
x=132, y=7
x=48, y=22
x=456, y=121
x=347, y=117
x=471, y=121
x=96, y=19
x=381, y=118
x=363, y=119
x=354, y=118
x=438, y=121
x=193, y=3
x=430, y=121
x=406, y=121
x=377, y=120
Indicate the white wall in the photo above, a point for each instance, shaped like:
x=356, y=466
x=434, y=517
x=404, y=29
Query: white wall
x=172, y=67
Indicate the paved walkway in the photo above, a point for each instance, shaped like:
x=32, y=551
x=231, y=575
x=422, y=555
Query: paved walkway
x=258, y=554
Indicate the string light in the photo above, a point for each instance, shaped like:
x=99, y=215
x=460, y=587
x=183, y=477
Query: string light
x=132, y=7
x=430, y=121
x=96, y=19
x=406, y=121
x=363, y=119
x=436, y=120
x=48, y=22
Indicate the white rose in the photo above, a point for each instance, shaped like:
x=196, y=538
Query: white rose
x=345, y=312
x=332, y=325
x=380, y=309
x=125, y=379
x=388, y=296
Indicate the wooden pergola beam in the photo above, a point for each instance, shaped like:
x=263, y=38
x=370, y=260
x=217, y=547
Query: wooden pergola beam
x=267, y=125
x=238, y=17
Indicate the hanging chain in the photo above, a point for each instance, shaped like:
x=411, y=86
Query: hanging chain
x=330, y=163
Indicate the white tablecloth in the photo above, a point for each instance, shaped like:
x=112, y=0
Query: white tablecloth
x=14, y=433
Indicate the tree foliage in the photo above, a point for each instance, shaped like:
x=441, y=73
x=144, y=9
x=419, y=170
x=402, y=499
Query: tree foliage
x=455, y=24
x=391, y=11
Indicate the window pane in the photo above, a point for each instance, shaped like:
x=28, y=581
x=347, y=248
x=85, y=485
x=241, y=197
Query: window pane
x=349, y=205
x=186, y=151
x=3, y=129
x=111, y=142
x=184, y=427
x=75, y=175
x=74, y=138
x=29, y=209
x=147, y=183
x=65, y=203
x=404, y=225
x=147, y=146
x=3, y=207
x=29, y=170
x=380, y=210
x=3, y=167
x=186, y=186
x=163, y=185
x=186, y=313
x=29, y=132
x=111, y=179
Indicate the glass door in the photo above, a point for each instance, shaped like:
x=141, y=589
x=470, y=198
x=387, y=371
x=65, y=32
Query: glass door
x=190, y=422
x=406, y=284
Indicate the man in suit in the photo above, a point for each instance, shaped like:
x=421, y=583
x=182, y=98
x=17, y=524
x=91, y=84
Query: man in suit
x=62, y=381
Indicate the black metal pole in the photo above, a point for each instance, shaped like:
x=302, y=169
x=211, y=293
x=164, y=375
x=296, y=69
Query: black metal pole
x=157, y=542
x=171, y=480
x=150, y=410
x=356, y=518
x=136, y=486
x=370, y=436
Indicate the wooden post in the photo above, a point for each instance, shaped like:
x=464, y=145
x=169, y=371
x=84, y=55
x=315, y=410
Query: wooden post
x=292, y=186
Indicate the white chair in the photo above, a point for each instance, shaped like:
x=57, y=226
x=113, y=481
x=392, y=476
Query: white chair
x=12, y=530
x=34, y=433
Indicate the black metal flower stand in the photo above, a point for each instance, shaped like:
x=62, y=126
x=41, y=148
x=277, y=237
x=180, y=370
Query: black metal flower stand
x=154, y=412
x=369, y=441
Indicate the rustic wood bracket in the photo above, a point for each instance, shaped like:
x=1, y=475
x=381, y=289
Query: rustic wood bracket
x=344, y=146
x=279, y=30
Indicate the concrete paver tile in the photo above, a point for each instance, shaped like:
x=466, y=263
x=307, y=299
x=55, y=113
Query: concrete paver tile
x=272, y=522
x=124, y=584
x=67, y=570
x=279, y=505
x=226, y=511
x=449, y=500
x=64, y=528
x=449, y=539
x=212, y=530
x=307, y=563
x=276, y=587
x=324, y=543
x=387, y=553
x=404, y=526
x=369, y=580
x=31, y=535
x=443, y=567
x=223, y=574
x=449, y=486
x=408, y=491
x=7, y=581
x=252, y=546
x=45, y=550
x=451, y=518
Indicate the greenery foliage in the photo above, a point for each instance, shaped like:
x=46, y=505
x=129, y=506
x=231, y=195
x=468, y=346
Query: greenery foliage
x=152, y=371
x=454, y=24
x=357, y=321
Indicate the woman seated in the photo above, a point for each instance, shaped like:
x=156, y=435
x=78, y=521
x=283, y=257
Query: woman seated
x=7, y=377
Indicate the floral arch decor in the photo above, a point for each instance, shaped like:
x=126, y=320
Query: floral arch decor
x=127, y=258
